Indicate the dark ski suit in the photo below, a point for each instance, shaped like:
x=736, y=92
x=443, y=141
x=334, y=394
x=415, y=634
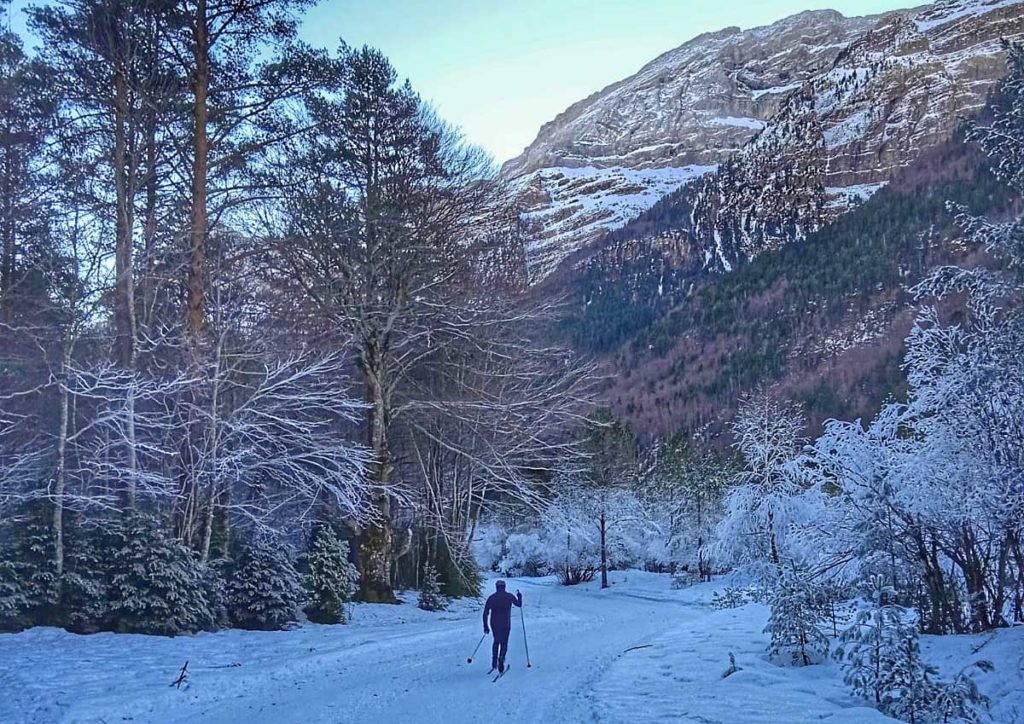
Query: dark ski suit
x=499, y=606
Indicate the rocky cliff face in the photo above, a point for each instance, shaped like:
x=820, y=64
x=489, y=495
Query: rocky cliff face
x=777, y=131
x=902, y=87
x=611, y=156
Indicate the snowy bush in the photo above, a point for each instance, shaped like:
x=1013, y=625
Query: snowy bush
x=960, y=698
x=28, y=581
x=154, y=584
x=571, y=555
x=796, y=617
x=13, y=600
x=84, y=599
x=524, y=555
x=430, y=591
x=332, y=578
x=489, y=546
x=264, y=590
x=684, y=578
x=731, y=597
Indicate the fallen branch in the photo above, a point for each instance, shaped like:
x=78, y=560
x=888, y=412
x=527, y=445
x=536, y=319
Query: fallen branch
x=634, y=648
x=181, y=676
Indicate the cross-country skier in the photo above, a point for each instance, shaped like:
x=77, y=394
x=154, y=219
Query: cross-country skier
x=499, y=607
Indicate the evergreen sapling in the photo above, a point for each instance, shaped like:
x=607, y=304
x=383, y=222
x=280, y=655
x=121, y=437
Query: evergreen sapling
x=796, y=619
x=430, y=592
x=264, y=590
x=332, y=578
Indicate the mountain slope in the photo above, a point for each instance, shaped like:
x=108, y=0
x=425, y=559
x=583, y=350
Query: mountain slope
x=823, y=318
x=612, y=155
x=784, y=127
x=904, y=87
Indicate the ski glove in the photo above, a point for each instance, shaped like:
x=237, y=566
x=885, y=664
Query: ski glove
x=486, y=630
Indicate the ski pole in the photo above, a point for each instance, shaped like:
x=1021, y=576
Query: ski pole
x=526, y=646
x=470, y=659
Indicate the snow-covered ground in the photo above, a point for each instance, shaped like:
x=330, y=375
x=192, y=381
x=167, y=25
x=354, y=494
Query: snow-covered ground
x=636, y=652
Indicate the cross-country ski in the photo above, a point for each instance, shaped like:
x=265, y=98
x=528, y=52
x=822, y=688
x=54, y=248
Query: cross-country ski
x=501, y=673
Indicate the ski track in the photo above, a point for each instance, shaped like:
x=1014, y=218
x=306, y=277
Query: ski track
x=397, y=663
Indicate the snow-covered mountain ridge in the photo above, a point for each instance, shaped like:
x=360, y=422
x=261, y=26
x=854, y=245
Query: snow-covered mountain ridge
x=802, y=118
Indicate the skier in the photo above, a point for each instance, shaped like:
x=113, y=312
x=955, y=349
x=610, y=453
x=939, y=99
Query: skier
x=499, y=606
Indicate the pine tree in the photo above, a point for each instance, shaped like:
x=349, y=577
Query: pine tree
x=796, y=618
x=155, y=584
x=882, y=659
x=870, y=646
x=911, y=692
x=264, y=591
x=430, y=592
x=12, y=596
x=84, y=603
x=960, y=698
x=332, y=578
x=28, y=583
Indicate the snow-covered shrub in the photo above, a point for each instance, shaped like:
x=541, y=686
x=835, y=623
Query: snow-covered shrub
x=524, y=555
x=571, y=555
x=796, y=617
x=84, y=598
x=870, y=646
x=430, y=591
x=12, y=597
x=489, y=546
x=731, y=597
x=960, y=699
x=684, y=578
x=28, y=580
x=263, y=590
x=332, y=578
x=881, y=658
x=154, y=584
x=215, y=586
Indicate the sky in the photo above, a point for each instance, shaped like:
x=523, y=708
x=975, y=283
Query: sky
x=499, y=69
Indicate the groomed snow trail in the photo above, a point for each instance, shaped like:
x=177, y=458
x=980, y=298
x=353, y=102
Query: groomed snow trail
x=637, y=652
x=392, y=663
x=421, y=674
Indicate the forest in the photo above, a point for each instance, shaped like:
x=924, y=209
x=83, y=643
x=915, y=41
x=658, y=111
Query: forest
x=265, y=350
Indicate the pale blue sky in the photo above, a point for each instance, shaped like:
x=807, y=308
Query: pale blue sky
x=501, y=68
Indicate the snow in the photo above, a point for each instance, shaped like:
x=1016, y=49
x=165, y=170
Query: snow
x=586, y=201
x=775, y=90
x=397, y=663
x=950, y=11
x=845, y=196
x=849, y=129
x=753, y=123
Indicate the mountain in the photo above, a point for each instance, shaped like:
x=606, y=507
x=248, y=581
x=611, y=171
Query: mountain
x=816, y=107
x=788, y=262
x=611, y=156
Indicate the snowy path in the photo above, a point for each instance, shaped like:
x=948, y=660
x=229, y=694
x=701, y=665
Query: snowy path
x=397, y=663
x=392, y=662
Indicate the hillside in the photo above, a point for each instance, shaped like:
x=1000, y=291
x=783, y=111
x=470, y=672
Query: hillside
x=611, y=156
x=824, y=318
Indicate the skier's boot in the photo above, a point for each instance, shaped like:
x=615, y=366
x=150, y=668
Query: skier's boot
x=501, y=666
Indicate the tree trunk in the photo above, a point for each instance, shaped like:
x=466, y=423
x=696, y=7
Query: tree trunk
x=604, y=551
x=7, y=262
x=200, y=90
x=376, y=542
x=149, y=224
x=60, y=475
x=124, y=303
